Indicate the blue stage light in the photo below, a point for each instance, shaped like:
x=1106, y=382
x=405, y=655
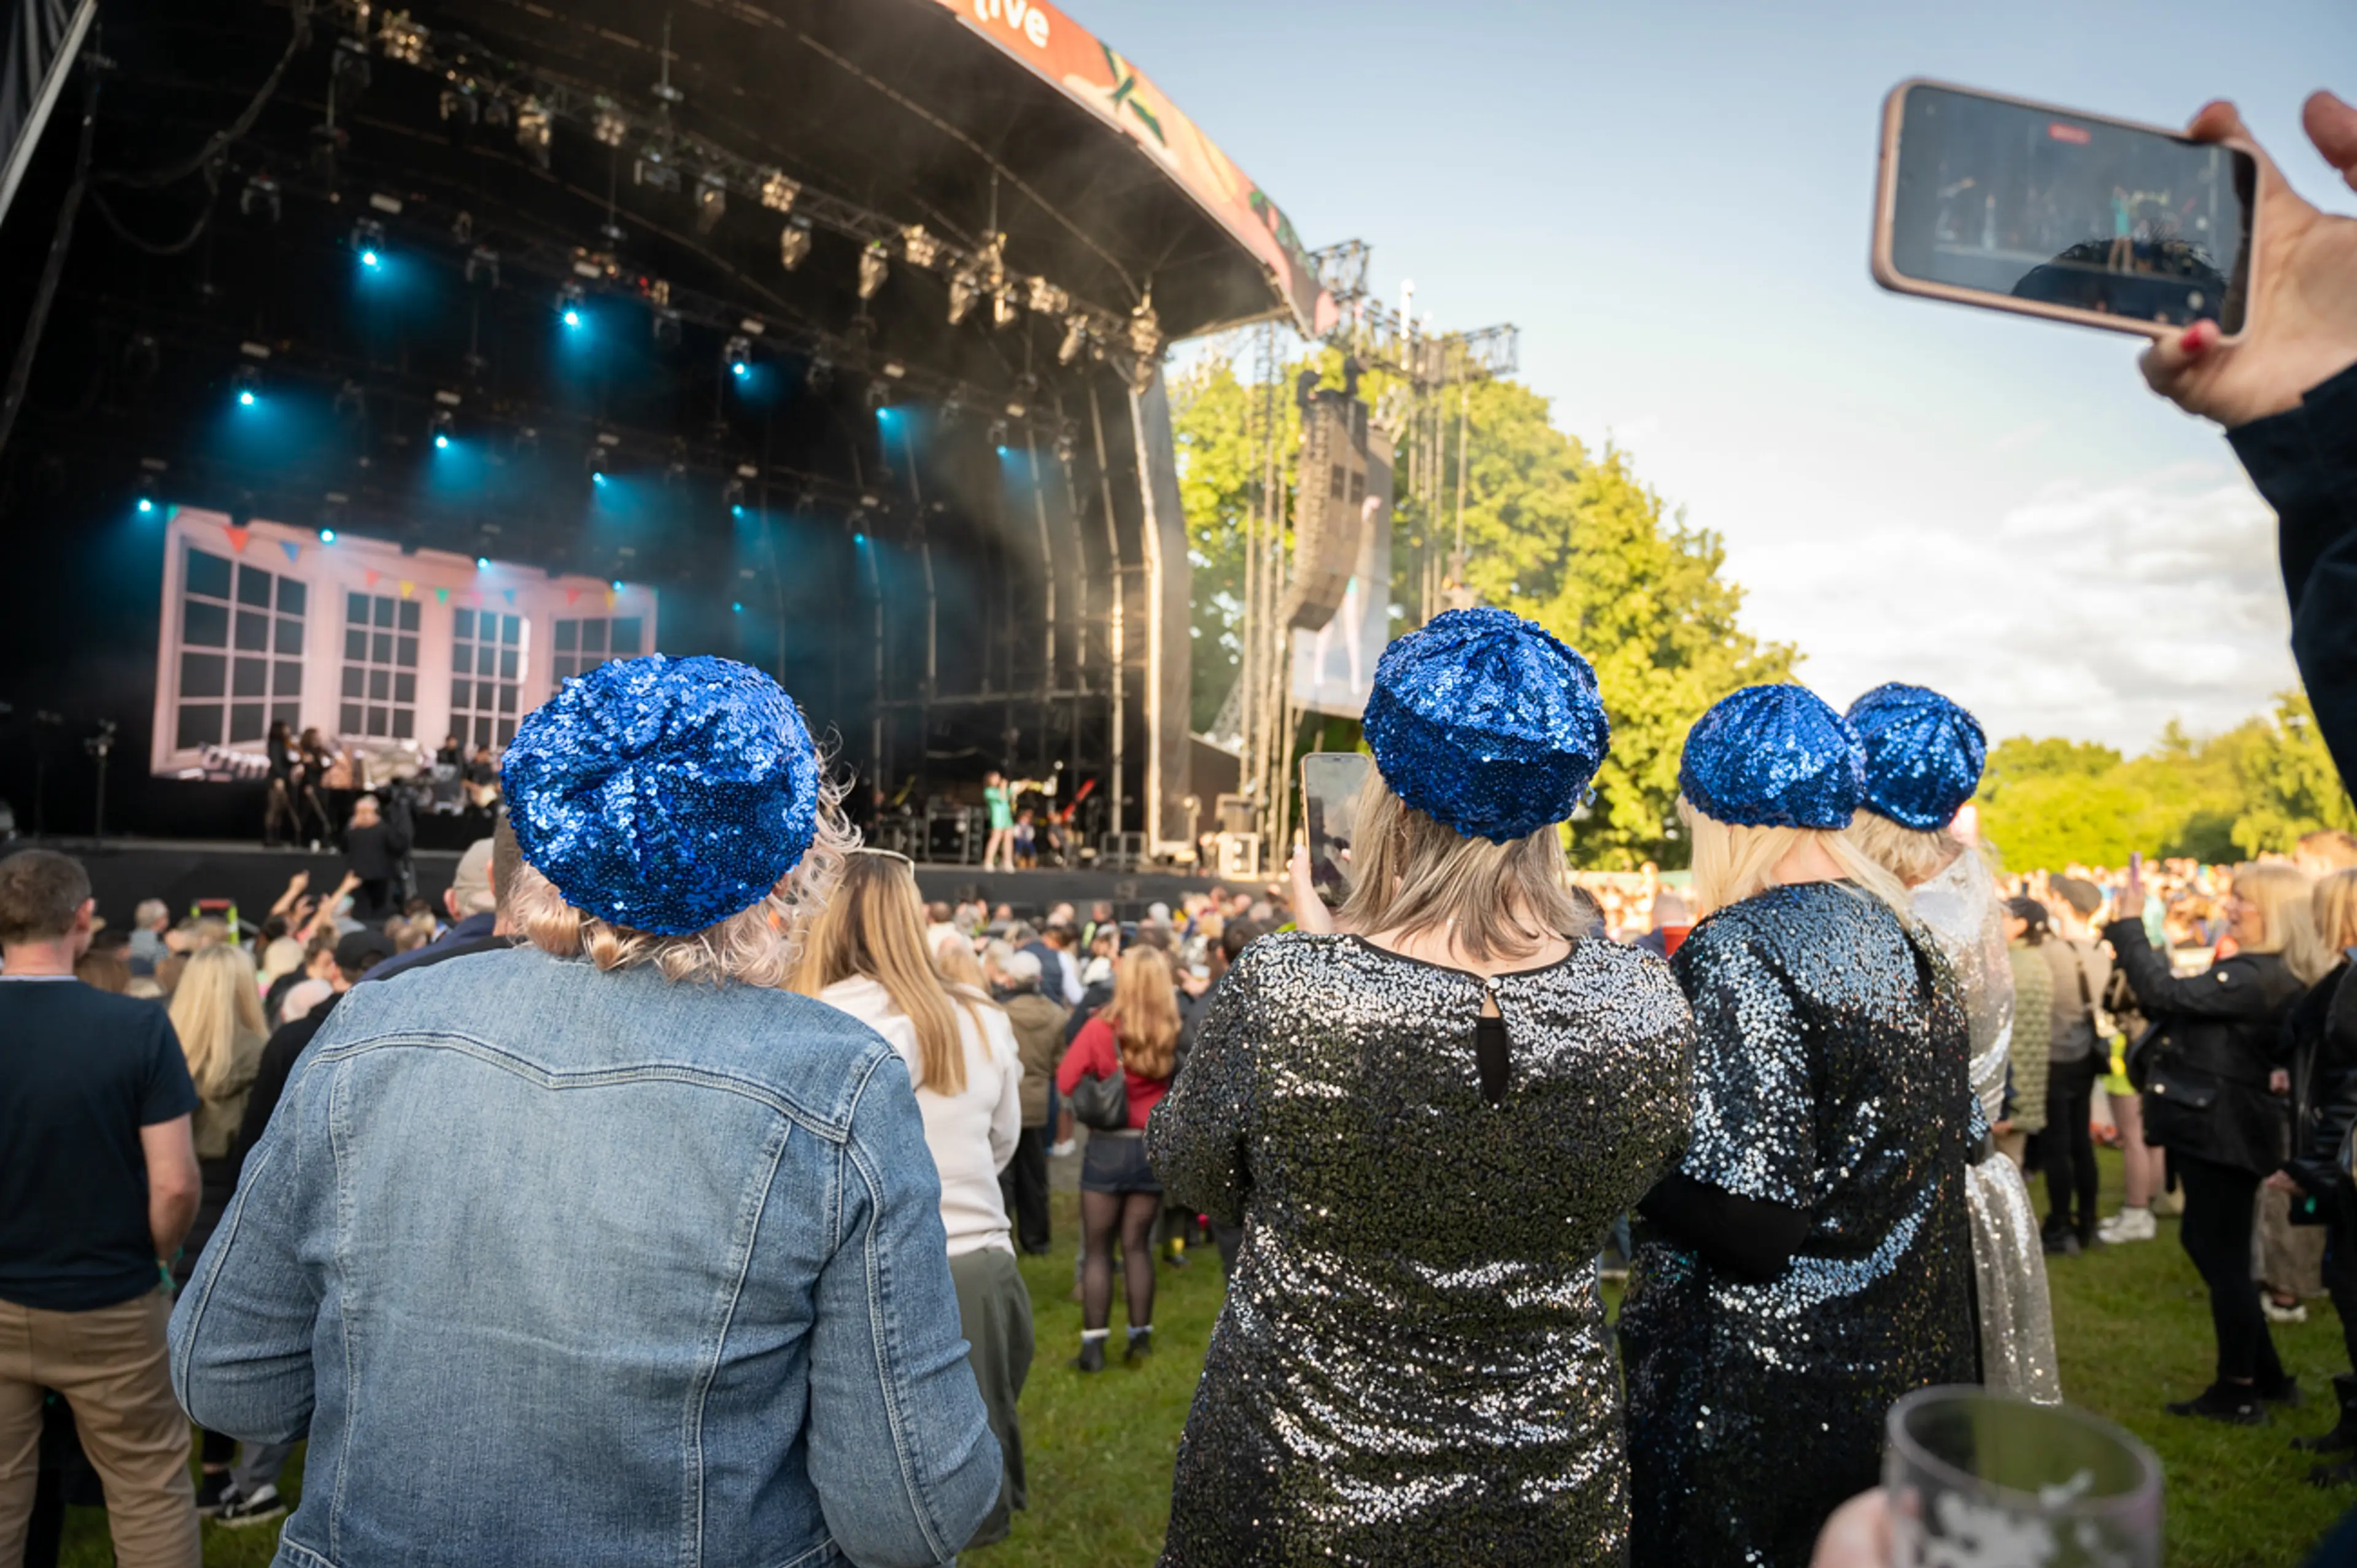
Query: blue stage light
x=146, y=506
x=740, y=369
x=245, y=399
x=737, y=608
x=482, y=563
x=327, y=536
x=597, y=476
x=859, y=538
x=737, y=511
x=573, y=318
x=371, y=259
x=618, y=585
x=441, y=442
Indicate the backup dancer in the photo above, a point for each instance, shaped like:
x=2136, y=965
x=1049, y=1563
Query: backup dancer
x=1923, y=760
x=1811, y=1260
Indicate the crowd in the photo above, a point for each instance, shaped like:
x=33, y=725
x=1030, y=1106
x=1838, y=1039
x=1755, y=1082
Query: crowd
x=663, y=1201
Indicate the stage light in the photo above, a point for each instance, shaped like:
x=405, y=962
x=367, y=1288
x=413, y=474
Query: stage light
x=921, y=249
x=260, y=195
x=737, y=355
x=618, y=585
x=247, y=383
x=1145, y=329
x=998, y=433
x=531, y=129
x=568, y=302
x=1047, y=299
x=402, y=39
x=146, y=505
x=732, y=495
x=482, y=563
x=350, y=70
x=666, y=326
x=873, y=265
x=439, y=427
x=821, y=372
x=793, y=244
x=598, y=475
x=608, y=127
x=737, y=607
x=778, y=192
x=964, y=289
x=859, y=538
x=368, y=243
x=327, y=536
x=1076, y=337
x=483, y=267
x=711, y=203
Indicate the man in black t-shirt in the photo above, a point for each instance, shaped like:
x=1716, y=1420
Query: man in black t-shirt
x=98, y=1183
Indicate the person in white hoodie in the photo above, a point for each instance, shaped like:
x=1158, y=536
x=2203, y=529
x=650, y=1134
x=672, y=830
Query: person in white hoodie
x=865, y=953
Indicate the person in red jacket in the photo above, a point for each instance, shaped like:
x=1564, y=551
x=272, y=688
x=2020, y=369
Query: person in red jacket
x=1136, y=1035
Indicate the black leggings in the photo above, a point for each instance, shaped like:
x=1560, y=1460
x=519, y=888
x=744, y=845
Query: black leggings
x=2068, y=1147
x=2216, y=1234
x=2340, y=1265
x=1132, y=1213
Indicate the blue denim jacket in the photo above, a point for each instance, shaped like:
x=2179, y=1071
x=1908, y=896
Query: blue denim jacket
x=564, y=1267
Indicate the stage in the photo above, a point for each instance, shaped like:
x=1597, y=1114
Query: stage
x=125, y=871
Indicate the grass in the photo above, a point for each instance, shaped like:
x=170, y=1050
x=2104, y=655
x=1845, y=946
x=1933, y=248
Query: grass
x=2133, y=1323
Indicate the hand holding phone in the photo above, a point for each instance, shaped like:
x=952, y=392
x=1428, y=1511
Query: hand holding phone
x=1330, y=781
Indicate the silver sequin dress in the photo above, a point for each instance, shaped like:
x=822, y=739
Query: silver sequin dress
x=1829, y=1077
x=1411, y=1367
x=1959, y=908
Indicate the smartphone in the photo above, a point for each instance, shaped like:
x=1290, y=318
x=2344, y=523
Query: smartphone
x=2011, y=204
x=1330, y=808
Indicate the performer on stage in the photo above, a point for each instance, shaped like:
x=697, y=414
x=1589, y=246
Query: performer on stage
x=1428, y=1126
x=1811, y=1260
x=1923, y=759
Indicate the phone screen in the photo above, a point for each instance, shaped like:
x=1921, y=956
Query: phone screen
x=2030, y=203
x=1330, y=809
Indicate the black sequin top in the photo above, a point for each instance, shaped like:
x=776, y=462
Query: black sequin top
x=1831, y=1076
x=1411, y=1367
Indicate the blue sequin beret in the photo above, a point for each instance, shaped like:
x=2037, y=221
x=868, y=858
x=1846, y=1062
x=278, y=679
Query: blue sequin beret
x=1773, y=756
x=1486, y=722
x=663, y=795
x=1923, y=754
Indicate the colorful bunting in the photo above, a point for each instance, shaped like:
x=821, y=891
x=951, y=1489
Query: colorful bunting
x=294, y=550
x=441, y=595
x=371, y=576
x=237, y=537
x=610, y=596
x=572, y=595
x=407, y=589
x=510, y=596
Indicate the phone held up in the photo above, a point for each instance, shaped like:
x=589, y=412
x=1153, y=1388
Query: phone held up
x=2010, y=205
x=1330, y=808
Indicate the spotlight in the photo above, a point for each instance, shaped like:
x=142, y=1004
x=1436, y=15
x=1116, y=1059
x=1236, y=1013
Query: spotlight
x=608, y=127
x=439, y=427
x=737, y=355
x=895, y=368
x=368, y=243
x=568, y=302
x=146, y=505
x=1047, y=299
x=793, y=244
x=666, y=326
x=482, y=563
x=998, y=433
x=483, y=267
x=778, y=192
x=964, y=289
x=872, y=267
x=260, y=195
x=618, y=585
x=711, y=202
x=1145, y=329
x=246, y=382
x=921, y=249
x=1068, y=440
x=327, y=536
x=878, y=396
x=820, y=371
x=461, y=110
x=402, y=39
x=732, y=495
x=1076, y=337
x=531, y=129
x=737, y=607
x=350, y=68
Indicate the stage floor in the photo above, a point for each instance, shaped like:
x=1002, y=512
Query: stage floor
x=122, y=870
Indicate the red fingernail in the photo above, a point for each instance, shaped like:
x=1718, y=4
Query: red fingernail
x=2201, y=337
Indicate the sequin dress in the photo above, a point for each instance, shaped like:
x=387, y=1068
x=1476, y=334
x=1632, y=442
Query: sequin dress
x=1959, y=908
x=1411, y=1367
x=1829, y=1077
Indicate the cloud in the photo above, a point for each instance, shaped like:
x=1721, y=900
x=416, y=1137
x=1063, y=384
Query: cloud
x=2097, y=613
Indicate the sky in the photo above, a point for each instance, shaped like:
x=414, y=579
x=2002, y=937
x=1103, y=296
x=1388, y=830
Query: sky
x=1673, y=202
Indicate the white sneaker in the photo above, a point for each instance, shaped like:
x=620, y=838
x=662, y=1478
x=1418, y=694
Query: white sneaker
x=2128, y=1224
x=1064, y=1150
x=2279, y=1313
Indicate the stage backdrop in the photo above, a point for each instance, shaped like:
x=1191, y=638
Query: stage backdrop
x=379, y=649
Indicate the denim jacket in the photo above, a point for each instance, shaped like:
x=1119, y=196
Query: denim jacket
x=569, y=1267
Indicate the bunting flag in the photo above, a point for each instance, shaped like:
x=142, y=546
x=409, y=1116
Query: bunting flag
x=294, y=550
x=572, y=595
x=441, y=595
x=610, y=597
x=510, y=596
x=371, y=576
x=407, y=589
x=237, y=538
x=477, y=595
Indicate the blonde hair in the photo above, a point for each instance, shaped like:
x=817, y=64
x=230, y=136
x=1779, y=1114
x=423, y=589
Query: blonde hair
x=2332, y=910
x=1732, y=862
x=1411, y=873
x=216, y=1000
x=958, y=965
x=1143, y=1012
x=1915, y=856
x=875, y=926
x=755, y=946
x=283, y=956
x=2282, y=896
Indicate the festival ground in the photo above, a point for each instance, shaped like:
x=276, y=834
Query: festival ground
x=2132, y=1323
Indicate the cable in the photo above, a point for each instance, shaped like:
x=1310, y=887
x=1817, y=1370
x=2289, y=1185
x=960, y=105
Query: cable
x=163, y=248
x=172, y=173
x=20, y=375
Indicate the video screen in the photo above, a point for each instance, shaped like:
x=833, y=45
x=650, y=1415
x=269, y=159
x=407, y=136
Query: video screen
x=2009, y=200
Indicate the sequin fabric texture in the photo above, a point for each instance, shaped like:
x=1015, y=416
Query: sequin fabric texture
x=664, y=794
x=1773, y=756
x=1923, y=754
x=1829, y=1076
x=1411, y=1367
x=1959, y=908
x=1487, y=722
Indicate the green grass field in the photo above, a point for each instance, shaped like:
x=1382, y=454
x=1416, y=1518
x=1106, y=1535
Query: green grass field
x=2133, y=1330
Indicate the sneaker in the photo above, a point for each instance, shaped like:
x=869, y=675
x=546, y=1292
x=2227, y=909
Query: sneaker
x=2128, y=1224
x=2277, y=1312
x=214, y=1489
x=1064, y=1150
x=2235, y=1406
x=238, y=1511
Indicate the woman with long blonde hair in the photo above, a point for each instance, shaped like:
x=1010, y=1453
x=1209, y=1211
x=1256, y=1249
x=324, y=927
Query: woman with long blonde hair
x=1426, y=1122
x=865, y=953
x=2212, y=1087
x=2322, y=1030
x=1813, y=1258
x=1133, y=1038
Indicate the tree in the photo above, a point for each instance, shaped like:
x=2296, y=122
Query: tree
x=2290, y=786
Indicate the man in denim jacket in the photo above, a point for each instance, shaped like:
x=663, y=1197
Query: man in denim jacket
x=602, y=1249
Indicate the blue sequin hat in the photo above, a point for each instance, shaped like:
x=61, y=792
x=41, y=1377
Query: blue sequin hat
x=663, y=795
x=1773, y=756
x=1923, y=754
x=1486, y=722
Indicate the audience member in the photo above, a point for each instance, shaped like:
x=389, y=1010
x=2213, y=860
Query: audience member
x=374, y=855
x=149, y=923
x=2322, y=1033
x=1040, y=1041
x=98, y=1184
x=2078, y=1052
x=2029, y=1063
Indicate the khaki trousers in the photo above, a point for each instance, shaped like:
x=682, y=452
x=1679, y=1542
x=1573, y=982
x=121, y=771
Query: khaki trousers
x=113, y=1369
